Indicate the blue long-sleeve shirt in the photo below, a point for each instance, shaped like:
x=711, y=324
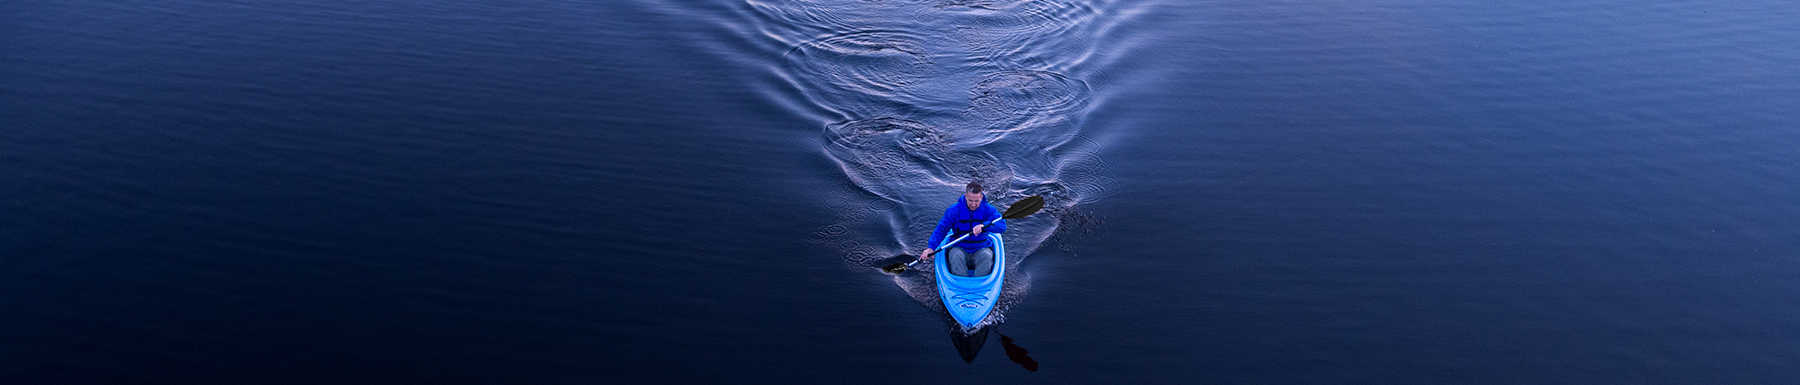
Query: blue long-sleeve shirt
x=958, y=220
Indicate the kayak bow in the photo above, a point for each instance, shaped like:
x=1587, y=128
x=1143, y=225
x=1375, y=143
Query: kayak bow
x=970, y=299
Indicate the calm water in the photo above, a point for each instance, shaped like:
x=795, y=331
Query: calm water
x=458, y=191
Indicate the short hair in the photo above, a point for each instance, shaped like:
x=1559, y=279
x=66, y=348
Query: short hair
x=974, y=188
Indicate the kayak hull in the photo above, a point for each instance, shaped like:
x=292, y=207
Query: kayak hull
x=969, y=300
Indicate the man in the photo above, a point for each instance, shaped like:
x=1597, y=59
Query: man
x=974, y=256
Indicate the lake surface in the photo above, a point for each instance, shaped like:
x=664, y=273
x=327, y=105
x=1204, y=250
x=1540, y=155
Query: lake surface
x=1270, y=192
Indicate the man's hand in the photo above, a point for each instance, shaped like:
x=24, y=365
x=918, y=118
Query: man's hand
x=977, y=230
x=926, y=254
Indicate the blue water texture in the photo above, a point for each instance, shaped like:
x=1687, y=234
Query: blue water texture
x=638, y=191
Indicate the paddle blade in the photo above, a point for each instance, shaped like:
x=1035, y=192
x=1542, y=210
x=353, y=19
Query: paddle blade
x=1024, y=207
x=897, y=267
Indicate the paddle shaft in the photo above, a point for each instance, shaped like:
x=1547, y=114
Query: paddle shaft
x=954, y=241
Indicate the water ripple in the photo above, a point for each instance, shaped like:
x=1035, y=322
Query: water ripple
x=856, y=68
x=1011, y=99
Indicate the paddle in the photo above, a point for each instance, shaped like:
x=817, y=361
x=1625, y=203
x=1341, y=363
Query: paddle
x=1022, y=208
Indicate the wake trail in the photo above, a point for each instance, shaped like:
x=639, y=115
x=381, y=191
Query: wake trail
x=926, y=96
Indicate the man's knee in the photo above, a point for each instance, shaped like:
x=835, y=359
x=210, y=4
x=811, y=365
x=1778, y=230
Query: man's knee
x=983, y=261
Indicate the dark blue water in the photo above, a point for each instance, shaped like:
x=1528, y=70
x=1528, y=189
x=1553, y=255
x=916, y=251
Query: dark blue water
x=552, y=192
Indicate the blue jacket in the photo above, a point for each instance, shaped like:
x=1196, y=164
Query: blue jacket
x=958, y=219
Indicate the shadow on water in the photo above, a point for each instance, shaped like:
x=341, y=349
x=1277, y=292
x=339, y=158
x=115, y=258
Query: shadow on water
x=968, y=345
x=1017, y=354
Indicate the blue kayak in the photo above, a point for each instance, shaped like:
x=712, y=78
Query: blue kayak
x=970, y=299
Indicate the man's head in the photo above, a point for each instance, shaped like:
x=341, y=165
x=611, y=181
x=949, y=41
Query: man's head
x=972, y=194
